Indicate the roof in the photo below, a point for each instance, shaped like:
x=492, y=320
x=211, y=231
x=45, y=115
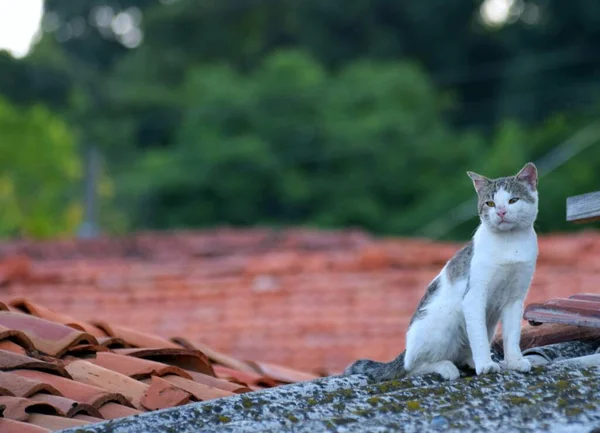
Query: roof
x=252, y=293
x=559, y=395
x=112, y=327
x=581, y=309
x=57, y=371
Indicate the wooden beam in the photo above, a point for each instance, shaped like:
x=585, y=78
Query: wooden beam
x=584, y=208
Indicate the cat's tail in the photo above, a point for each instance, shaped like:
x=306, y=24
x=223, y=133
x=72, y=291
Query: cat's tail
x=379, y=371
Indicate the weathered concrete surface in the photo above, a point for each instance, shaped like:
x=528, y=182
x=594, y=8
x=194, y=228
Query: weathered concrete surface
x=552, y=395
x=491, y=401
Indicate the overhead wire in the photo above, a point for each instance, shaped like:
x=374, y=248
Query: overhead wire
x=555, y=158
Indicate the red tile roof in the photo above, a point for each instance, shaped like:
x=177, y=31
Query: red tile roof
x=56, y=376
x=579, y=310
x=305, y=299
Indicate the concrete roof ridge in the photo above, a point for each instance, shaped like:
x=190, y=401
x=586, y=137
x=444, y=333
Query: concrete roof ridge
x=497, y=393
x=487, y=396
x=224, y=410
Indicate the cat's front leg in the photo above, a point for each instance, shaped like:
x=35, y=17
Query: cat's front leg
x=511, y=336
x=474, y=310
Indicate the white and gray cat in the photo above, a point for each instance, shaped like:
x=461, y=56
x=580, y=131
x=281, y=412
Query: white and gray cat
x=484, y=283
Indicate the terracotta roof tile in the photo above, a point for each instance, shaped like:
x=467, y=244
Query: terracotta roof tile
x=14, y=361
x=244, y=377
x=111, y=381
x=115, y=410
x=14, y=347
x=82, y=350
x=66, y=406
x=162, y=394
x=52, y=422
x=136, y=368
x=77, y=391
x=113, y=342
x=282, y=374
x=218, y=383
x=193, y=360
x=214, y=355
x=48, y=337
x=15, y=268
x=135, y=338
x=17, y=337
x=88, y=418
x=23, y=387
x=578, y=310
x=199, y=390
x=42, y=312
x=19, y=409
x=11, y=426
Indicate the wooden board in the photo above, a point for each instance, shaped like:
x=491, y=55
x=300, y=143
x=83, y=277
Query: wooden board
x=584, y=208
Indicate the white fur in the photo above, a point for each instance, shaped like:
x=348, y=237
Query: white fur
x=457, y=328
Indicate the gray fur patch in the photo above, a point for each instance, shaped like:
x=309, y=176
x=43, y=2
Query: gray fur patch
x=458, y=266
x=433, y=287
x=379, y=371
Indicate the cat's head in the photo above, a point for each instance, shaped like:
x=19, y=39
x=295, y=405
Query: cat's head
x=508, y=203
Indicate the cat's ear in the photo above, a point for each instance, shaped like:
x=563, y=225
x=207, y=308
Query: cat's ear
x=529, y=174
x=478, y=180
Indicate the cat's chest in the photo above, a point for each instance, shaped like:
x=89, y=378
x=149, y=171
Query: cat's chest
x=506, y=266
x=508, y=254
x=512, y=258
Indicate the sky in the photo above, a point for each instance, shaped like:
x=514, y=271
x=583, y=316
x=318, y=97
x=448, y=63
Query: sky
x=19, y=23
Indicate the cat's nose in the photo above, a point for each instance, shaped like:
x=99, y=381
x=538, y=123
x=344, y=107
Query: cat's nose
x=501, y=212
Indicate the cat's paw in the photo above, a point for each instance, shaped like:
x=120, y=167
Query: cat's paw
x=487, y=367
x=523, y=365
x=447, y=370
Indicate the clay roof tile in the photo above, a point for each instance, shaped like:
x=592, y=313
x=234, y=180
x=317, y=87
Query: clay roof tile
x=214, y=355
x=12, y=426
x=14, y=361
x=161, y=394
x=53, y=423
x=20, y=386
x=68, y=407
x=135, y=338
x=136, y=368
x=187, y=359
x=114, y=410
x=48, y=337
x=77, y=391
x=90, y=374
x=37, y=310
x=18, y=408
x=199, y=390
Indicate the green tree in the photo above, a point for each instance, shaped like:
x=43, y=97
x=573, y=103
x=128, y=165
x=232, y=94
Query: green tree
x=39, y=173
x=291, y=143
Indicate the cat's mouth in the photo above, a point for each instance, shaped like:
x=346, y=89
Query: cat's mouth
x=504, y=224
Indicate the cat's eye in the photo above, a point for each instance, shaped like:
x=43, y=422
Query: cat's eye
x=513, y=200
x=490, y=203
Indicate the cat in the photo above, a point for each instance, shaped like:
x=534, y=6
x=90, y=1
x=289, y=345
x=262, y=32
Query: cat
x=484, y=283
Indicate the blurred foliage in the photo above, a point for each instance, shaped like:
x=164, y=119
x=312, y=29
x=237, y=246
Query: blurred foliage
x=38, y=167
x=335, y=114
